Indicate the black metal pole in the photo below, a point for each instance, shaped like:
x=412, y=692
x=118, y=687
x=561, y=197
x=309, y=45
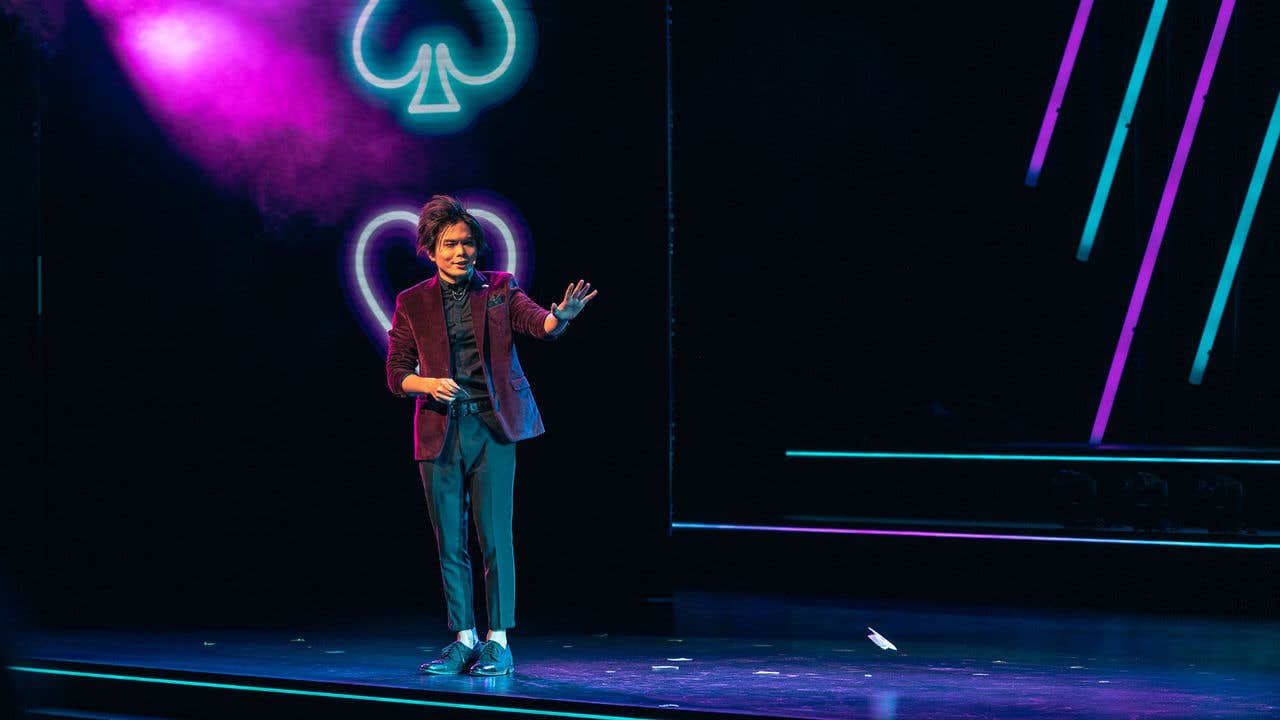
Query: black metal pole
x=671, y=305
x=40, y=531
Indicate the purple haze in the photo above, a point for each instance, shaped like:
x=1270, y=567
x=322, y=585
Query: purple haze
x=44, y=19
x=254, y=93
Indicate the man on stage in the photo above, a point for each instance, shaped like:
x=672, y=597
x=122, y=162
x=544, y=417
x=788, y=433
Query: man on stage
x=473, y=403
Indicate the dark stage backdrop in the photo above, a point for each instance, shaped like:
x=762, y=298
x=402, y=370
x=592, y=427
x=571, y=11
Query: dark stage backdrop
x=860, y=266
x=199, y=426
x=202, y=425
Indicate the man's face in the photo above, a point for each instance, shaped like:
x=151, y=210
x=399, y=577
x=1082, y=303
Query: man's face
x=455, y=254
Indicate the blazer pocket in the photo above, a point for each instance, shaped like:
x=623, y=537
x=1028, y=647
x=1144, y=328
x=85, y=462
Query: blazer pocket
x=520, y=383
x=498, y=314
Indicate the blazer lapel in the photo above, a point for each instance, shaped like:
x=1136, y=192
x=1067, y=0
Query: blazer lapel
x=479, y=316
x=436, y=352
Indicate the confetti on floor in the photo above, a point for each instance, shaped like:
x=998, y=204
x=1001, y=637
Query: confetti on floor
x=881, y=641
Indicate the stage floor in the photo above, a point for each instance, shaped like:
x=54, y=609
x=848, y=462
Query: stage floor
x=950, y=663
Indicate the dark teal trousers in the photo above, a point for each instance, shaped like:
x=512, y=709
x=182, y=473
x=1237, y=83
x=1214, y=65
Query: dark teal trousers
x=474, y=474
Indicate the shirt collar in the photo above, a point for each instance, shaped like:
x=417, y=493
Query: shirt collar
x=476, y=282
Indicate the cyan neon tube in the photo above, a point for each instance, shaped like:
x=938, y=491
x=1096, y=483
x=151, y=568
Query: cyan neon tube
x=1228, y=277
x=321, y=694
x=1059, y=90
x=972, y=536
x=1122, y=129
x=1161, y=223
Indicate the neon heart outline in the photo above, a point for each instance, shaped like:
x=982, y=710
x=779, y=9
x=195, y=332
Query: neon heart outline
x=365, y=289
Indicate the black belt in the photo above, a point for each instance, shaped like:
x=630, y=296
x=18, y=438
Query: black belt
x=462, y=408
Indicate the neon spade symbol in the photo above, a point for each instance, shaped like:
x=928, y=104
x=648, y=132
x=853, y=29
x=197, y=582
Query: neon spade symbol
x=438, y=55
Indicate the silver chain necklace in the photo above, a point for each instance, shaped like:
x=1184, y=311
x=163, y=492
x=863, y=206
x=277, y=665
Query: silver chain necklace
x=456, y=294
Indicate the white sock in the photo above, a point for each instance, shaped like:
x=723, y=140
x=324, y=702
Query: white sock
x=498, y=636
x=467, y=637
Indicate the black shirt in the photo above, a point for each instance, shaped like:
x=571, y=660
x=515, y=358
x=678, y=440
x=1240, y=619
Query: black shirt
x=466, y=367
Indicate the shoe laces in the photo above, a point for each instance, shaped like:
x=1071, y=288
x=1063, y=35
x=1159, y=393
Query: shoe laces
x=491, y=651
x=456, y=647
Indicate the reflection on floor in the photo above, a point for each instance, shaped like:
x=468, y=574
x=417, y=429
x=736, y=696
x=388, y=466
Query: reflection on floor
x=949, y=663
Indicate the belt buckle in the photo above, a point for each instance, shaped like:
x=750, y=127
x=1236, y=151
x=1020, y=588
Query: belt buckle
x=462, y=409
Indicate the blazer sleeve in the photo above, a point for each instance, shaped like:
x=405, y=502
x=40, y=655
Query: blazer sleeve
x=527, y=316
x=402, y=349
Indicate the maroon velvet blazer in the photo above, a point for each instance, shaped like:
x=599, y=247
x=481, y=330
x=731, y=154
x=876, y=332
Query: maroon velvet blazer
x=418, y=336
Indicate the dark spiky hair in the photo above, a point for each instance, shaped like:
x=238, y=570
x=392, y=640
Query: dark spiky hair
x=441, y=212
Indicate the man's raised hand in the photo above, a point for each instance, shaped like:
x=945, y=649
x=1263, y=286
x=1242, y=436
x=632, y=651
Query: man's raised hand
x=575, y=299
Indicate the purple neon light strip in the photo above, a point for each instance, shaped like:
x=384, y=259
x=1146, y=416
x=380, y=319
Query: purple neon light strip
x=1059, y=90
x=970, y=536
x=1161, y=222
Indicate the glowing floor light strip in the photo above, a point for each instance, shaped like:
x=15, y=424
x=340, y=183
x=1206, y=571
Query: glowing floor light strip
x=320, y=694
x=1122, y=129
x=1028, y=458
x=1161, y=222
x=971, y=536
x=1059, y=90
x=1228, y=276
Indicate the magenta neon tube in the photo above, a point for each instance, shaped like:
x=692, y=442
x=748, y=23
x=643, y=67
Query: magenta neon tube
x=1161, y=222
x=1059, y=90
